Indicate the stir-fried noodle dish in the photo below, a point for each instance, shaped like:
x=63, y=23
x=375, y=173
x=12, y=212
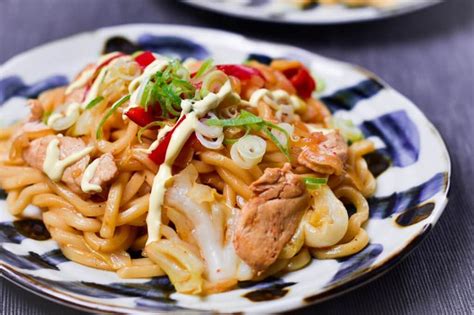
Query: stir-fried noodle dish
x=208, y=173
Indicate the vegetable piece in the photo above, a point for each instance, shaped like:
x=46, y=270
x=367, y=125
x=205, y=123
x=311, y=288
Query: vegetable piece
x=94, y=102
x=239, y=71
x=303, y=83
x=97, y=71
x=140, y=116
x=159, y=154
x=151, y=125
x=144, y=59
x=249, y=120
x=167, y=88
x=314, y=182
x=112, y=110
x=245, y=118
x=349, y=131
x=248, y=151
x=205, y=67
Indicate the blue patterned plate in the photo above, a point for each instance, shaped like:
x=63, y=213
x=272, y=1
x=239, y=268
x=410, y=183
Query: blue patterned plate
x=286, y=11
x=411, y=163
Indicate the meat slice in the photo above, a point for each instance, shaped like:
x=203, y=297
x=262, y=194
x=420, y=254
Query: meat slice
x=269, y=220
x=106, y=170
x=324, y=154
x=36, y=110
x=35, y=155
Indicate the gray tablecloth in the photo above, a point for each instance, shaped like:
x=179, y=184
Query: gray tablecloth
x=428, y=56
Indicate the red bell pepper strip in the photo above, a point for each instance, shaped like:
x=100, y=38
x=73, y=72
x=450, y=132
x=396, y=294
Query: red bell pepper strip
x=239, y=71
x=303, y=82
x=144, y=59
x=140, y=116
x=159, y=154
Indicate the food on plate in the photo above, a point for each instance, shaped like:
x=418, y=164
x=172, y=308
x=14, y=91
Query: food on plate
x=208, y=173
x=350, y=3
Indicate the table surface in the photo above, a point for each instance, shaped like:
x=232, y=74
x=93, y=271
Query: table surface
x=428, y=56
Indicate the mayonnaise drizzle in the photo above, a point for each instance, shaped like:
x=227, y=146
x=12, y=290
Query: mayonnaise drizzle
x=53, y=166
x=274, y=98
x=59, y=121
x=86, y=185
x=178, y=139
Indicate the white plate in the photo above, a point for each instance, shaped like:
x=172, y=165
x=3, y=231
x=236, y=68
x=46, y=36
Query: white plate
x=412, y=189
x=283, y=12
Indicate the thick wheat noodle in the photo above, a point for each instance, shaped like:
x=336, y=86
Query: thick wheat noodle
x=50, y=200
x=275, y=268
x=365, y=177
x=132, y=187
x=87, y=208
x=21, y=180
x=12, y=197
x=275, y=157
x=85, y=257
x=117, y=134
x=265, y=111
x=300, y=260
x=129, y=165
x=229, y=196
x=256, y=172
x=140, y=221
x=54, y=219
x=202, y=168
x=139, y=243
x=121, y=236
x=78, y=221
x=68, y=238
x=362, y=211
x=137, y=208
x=235, y=183
x=26, y=195
x=121, y=144
x=149, y=177
x=140, y=270
x=109, y=221
x=222, y=161
x=143, y=158
x=342, y=250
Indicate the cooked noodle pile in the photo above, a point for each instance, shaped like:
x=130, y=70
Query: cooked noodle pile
x=213, y=173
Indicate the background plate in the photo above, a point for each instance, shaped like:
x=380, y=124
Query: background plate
x=273, y=11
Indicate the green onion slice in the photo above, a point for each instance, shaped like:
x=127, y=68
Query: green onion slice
x=314, y=182
x=112, y=110
x=94, y=102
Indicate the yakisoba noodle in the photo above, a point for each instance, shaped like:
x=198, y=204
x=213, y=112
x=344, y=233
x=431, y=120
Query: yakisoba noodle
x=213, y=173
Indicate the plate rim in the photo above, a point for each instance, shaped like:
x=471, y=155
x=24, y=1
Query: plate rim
x=265, y=19
x=373, y=272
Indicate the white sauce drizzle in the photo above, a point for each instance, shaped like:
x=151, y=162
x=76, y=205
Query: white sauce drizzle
x=84, y=77
x=86, y=185
x=313, y=128
x=53, y=166
x=178, y=139
x=59, y=121
x=275, y=99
